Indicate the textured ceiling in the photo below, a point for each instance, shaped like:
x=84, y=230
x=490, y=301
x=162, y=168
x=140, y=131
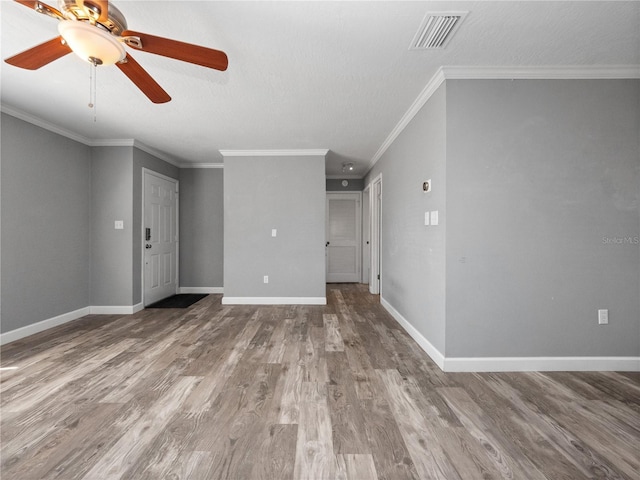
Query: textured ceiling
x=302, y=75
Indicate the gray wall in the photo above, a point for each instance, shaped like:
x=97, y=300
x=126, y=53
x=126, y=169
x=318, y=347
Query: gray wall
x=117, y=195
x=412, y=254
x=46, y=210
x=60, y=199
x=285, y=193
x=112, y=259
x=542, y=188
x=142, y=159
x=539, y=173
x=335, y=185
x=201, y=227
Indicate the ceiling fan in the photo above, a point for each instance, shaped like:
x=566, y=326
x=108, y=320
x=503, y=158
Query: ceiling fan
x=97, y=32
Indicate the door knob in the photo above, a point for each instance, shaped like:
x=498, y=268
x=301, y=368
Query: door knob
x=148, y=245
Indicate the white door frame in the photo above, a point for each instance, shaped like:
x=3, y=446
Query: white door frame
x=142, y=239
x=375, y=210
x=366, y=235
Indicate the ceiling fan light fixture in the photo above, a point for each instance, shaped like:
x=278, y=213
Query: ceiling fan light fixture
x=91, y=43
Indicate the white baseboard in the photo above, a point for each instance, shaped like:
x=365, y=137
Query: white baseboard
x=207, y=290
x=514, y=364
x=425, y=344
x=542, y=364
x=116, y=309
x=274, y=300
x=43, y=325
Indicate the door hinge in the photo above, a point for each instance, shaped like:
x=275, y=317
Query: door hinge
x=378, y=276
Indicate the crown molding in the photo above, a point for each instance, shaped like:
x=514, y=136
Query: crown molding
x=107, y=142
x=157, y=153
x=202, y=165
x=549, y=72
x=274, y=153
x=39, y=122
x=112, y=142
x=429, y=89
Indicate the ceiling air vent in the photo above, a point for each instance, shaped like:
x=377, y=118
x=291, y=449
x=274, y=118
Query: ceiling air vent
x=437, y=29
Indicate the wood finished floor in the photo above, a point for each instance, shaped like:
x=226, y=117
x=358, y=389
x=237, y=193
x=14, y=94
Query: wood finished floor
x=295, y=392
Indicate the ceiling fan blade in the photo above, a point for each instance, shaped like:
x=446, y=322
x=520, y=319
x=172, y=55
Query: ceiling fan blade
x=186, y=52
x=39, y=56
x=143, y=80
x=28, y=3
x=41, y=8
x=98, y=9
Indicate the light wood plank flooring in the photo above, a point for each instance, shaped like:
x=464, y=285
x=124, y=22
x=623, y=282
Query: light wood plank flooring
x=295, y=392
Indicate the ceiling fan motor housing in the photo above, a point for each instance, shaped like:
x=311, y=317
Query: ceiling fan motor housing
x=87, y=11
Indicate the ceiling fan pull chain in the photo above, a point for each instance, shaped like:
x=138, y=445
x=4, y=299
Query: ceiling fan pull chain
x=92, y=88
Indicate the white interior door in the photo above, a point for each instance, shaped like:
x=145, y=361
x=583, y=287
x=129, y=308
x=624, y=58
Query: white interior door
x=343, y=237
x=160, y=237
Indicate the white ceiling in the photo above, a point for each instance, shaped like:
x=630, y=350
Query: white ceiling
x=302, y=75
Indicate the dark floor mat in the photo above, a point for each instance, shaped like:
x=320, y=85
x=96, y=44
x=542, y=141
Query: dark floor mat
x=182, y=300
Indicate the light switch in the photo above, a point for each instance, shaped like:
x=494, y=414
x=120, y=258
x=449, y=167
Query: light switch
x=434, y=217
x=603, y=317
x=426, y=218
x=274, y=232
x=119, y=224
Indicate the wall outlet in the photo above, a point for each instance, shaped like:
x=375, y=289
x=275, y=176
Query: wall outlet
x=266, y=279
x=603, y=317
x=274, y=232
x=426, y=218
x=434, y=217
x=119, y=224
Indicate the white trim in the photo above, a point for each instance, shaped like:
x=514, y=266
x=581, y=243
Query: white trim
x=274, y=153
x=208, y=290
x=202, y=165
x=113, y=142
x=543, y=72
x=38, y=122
x=542, y=364
x=162, y=176
x=130, y=142
x=274, y=300
x=43, y=325
x=375, y=235
x=157, y=153
x=514, y=364
x=425, y=344
x=116, y=309
x=415, y=107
